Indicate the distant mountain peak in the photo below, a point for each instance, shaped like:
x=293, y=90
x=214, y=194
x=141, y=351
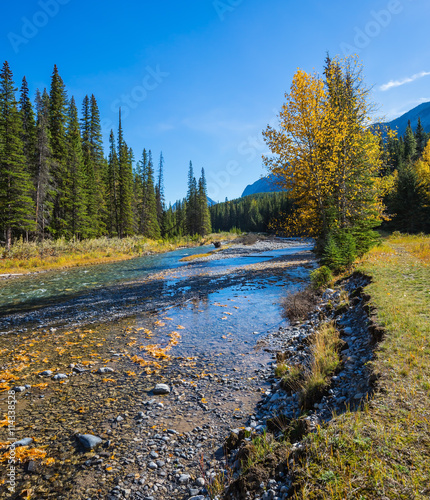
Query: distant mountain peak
x=263, y=185
x=421, y=111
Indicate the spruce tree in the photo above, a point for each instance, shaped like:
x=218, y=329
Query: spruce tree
x=88, y=168
x=142, y=170
x=159, y=194
x=420, y=138
x=57, y=127
x=42, y=178
x=150, y=226
x=113, y=188
x=28, y=127
x=92, y=149
x=410, y=144
x=203, y=209
x=125, y=183
x=16, y=205
x=99, y=164
x=192, y=203
x=77, y=223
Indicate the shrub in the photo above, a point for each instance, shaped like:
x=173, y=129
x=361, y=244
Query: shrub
x=300, y=304
x=321, y=277
x=340, y=251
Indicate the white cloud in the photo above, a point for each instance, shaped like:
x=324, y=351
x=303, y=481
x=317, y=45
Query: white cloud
x=398, y=83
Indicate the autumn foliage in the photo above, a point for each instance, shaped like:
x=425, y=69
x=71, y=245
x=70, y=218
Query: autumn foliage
x=328, y=157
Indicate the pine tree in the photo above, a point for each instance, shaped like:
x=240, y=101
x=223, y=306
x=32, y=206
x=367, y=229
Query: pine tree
x=192, y=207
x=16, y=205
x=125, y=184
x=28, y=127
x=203, y=209
x=420, y=138
x=42, y=178
x=410, y=144
x=99, y=164
x=113, y=189
x=57, y=127
x=77, y=223
x=142, y=170
x=150, y=226
x=92, y=149
x=159, y=194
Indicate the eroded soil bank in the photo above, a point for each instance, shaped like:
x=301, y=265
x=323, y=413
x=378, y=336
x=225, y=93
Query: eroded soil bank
x=89, y=363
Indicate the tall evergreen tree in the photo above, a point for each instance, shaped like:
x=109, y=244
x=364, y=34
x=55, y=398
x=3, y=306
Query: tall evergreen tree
x=125, y=183
x=77, y=223
x=16, y=205
x=410, y=144
x=57, y=127
x=150, y=227
x=28, y=127
x=192, y=203
x=42, y=178
x=92, y=149
x=420, y=138
x=203, y=209
x=142, y=170
x=113, y=188
x=98, y=160
x=159, y=194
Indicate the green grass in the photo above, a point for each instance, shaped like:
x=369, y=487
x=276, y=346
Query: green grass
x=383, y=451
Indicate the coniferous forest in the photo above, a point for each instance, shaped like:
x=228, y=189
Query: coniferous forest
x=56, y=182
x=253, y=213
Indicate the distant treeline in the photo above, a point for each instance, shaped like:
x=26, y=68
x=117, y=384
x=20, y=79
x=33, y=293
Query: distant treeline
x=55, y=181
x=252, y=213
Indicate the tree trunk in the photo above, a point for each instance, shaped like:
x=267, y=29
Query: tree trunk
x=8, y=237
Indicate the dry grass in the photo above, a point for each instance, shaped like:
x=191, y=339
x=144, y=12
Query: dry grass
x=325, y=362
x=297, y=306
x=26, y=257
x=417, y=245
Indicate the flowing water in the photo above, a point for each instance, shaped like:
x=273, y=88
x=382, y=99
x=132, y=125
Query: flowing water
x=194, y=326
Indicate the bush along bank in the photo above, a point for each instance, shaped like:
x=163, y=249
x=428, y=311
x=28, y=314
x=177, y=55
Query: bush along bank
x=321, y=369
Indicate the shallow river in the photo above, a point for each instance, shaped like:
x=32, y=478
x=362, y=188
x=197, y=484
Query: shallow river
x=153, y=319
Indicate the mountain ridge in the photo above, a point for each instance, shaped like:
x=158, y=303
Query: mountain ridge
x=421, y=111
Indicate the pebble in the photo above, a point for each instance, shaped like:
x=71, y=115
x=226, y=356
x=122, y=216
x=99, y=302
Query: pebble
x=60, y=376
x=105, y=369
x=89, y=441
x=23, y=442
x=161, y=389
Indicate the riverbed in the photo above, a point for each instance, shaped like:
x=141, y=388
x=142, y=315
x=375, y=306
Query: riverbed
x=193, y=326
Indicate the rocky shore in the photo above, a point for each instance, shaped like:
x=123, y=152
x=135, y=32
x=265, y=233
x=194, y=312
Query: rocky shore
x=350, y=388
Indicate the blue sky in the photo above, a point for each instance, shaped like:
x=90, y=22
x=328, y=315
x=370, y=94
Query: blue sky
x=200, y=79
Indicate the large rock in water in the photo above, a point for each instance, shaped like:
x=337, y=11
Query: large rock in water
x=89, y=441
x=161, y=389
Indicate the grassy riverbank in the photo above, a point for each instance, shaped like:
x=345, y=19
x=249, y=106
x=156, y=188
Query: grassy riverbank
x=383, y=451
x=32, y=257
